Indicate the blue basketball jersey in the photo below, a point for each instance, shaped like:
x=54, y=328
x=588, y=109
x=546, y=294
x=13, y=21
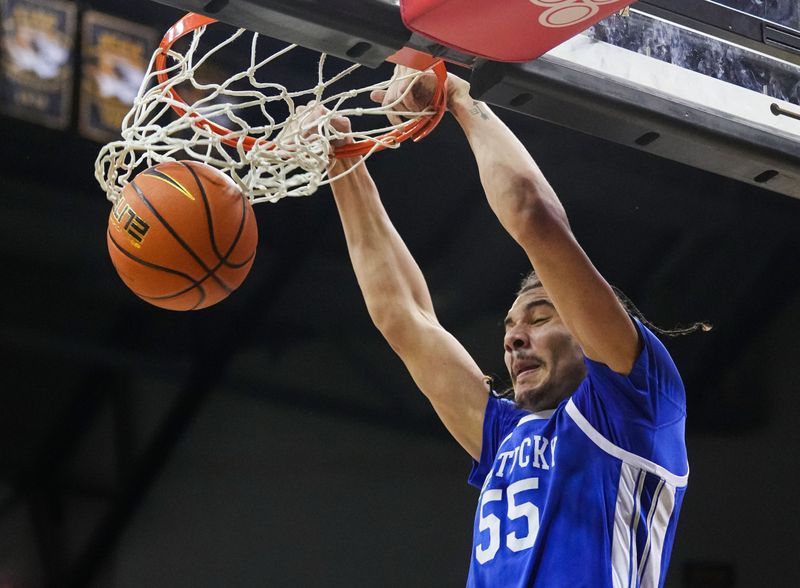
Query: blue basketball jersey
x=587, y=494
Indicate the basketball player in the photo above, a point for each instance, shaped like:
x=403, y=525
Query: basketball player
x=582, y=474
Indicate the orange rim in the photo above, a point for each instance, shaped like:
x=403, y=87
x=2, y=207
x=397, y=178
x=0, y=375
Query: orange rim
x=416, y=129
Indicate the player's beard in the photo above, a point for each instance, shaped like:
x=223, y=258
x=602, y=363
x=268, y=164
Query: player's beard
x=537, y=396
x=543, y=391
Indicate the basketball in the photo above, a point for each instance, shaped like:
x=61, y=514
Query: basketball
x=182, y=235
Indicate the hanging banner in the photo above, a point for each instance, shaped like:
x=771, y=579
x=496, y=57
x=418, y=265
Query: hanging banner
x=38, y=53
x=116, y=53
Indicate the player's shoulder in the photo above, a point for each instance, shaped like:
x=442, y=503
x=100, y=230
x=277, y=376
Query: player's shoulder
x=652, y=345
x=650, y=397
x=654, y=370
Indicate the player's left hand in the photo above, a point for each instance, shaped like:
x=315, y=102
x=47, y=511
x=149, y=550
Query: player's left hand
x=420, y=95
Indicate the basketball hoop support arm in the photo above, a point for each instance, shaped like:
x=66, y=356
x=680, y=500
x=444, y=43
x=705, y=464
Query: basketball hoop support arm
x=369, y=32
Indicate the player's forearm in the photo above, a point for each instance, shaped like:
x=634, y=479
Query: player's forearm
x=390, y=280
x=515, y=187
x=530, y=211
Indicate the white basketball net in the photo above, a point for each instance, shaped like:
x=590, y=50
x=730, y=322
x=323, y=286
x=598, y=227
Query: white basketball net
x=290, y=156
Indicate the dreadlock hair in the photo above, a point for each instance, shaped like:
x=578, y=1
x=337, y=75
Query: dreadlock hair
x=531, y=281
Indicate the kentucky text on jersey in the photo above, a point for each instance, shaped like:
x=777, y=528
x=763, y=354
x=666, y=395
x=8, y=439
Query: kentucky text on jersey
x=588, y=494
x=532, y=452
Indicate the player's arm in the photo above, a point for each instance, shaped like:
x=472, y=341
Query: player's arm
x=528, y=208
x=530, y=211
x=399, y=304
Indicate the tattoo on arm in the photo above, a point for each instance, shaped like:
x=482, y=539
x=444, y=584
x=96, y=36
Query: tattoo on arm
x=478, y=110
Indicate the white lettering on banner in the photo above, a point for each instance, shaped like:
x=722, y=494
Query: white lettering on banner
x=565, y=13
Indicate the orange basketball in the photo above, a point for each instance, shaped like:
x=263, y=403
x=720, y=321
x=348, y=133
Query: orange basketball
x=182, y=235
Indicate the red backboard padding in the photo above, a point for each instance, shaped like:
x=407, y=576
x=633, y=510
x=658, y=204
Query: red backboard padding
x=504, y=30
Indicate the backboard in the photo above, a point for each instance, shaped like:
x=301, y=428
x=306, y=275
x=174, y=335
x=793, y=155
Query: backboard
x=711, y=84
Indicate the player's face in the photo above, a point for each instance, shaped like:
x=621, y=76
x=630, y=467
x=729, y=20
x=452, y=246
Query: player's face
x=543, y=359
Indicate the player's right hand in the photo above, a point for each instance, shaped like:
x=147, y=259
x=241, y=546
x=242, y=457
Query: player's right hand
x=307, y=124
x=416, y=99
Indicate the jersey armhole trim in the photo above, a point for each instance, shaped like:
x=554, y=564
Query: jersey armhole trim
x=621, y=454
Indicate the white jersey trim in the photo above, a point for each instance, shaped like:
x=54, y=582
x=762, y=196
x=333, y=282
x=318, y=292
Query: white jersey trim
x=650, y=566
x=536, y=416
x=621, y=537
x=630, y=569
x=655, y=502
x=615, y=451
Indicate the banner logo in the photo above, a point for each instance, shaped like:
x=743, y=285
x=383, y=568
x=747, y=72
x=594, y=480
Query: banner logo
x=116, y=53
x=37, y=48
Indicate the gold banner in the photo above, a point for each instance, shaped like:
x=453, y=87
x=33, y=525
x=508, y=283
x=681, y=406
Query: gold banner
x=115, y=54
x=38, y=60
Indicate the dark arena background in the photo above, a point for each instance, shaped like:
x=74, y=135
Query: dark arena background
x=274, y=439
